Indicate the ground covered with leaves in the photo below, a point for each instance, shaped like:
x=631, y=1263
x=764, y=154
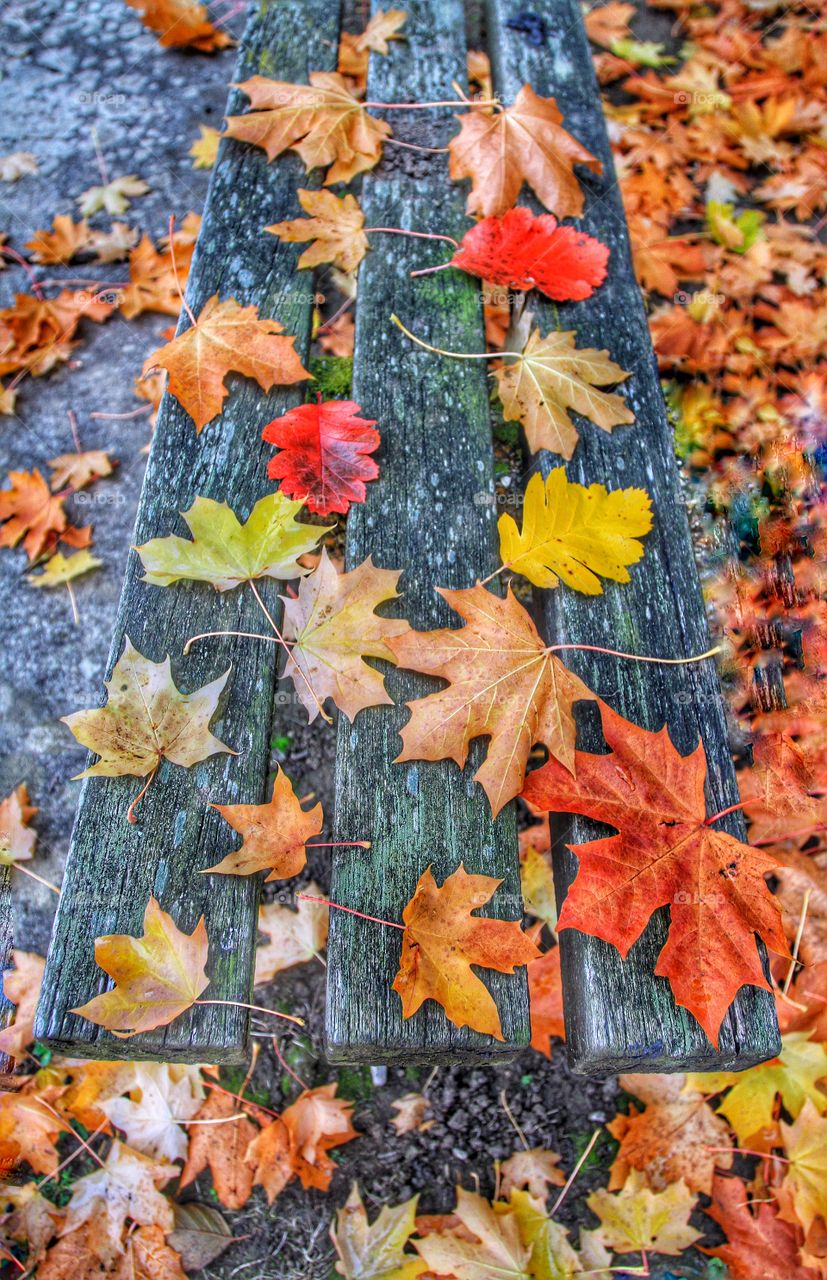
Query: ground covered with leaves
x=717, y=119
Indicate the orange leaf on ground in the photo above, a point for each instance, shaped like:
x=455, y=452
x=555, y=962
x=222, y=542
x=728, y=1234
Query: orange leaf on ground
x=545, y=994
x=30, y=513
x=221, y=1148
x=181, y=23
x=296, y=1144
x=760, y=1246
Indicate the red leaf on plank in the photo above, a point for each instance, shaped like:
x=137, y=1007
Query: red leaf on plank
x=322, y=458
x=525, y=252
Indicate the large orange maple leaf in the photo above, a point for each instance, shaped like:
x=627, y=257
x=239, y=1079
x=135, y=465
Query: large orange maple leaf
x=665, y=855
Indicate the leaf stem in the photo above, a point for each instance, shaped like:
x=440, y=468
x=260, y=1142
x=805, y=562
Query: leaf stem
x=328, y=719
x=192, y=319
x=18, y=866
x=247, y=635
x=574, y=1173
x=429, y=271
x=440, y=351
x=637, y=657
x=256, y=1008
x=351, y=911
x=418, y=106
x=419, y=235
x=797, y=942
x=340, y=844
x=130, y=813
x=731, y=808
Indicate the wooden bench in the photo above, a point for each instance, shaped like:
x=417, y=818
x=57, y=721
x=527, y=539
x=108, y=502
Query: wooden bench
x=428, y=515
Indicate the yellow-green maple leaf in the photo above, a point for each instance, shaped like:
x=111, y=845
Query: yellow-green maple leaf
x=225, y=552
x=575, y=533
x=635, y=1218
x=375, y=1250
x=60, y=569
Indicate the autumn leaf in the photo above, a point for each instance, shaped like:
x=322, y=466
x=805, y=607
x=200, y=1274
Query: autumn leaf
x=204, y=150
x=21, y=986
x=31, y=513
x=154, y=278
x=383, y=26
x=522, y=143
x=677, y=1137
x=521, y=251
x=65, y=240
x=321, y=121
x=17, y=165
x=322, y=454
x=221, y=1149
x=375, y=1250
x=443, y=939
x=537, y=884
x=575, y=533
x=297, y=1143
x=77, y=470
x=274, y=835
x=157, y=976
x=227, y=553
x=200, y=1235
x=29, y=1218
x=17, y=838
x=31, y=1127
x=761, y=1246
x=664, y=855
x=411, y=1110
x=503, y=682
x=126, y=1187
x=293, y=936
x=750, y=1104
x=534, y=1170
x=333, y=627
x=803, y=1193
x=36, y=333
x=549, y=378
x=335, y=225
x=147, y=719
x=60, y=569
x=113, y=245
x=225, y=338
x=635, y=1218
x=495, y=1246
x=545, y=993
x=181, y=23
x=609, y=22
x=160, y=1097
x=114, y=197
x=780, y=791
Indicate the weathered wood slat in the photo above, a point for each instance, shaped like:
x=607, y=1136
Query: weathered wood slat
x=6, y=944
x=113, y=867
x=618, y=1015
x=428, y=515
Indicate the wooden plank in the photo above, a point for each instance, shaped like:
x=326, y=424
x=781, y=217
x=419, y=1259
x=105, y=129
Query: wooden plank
x=112, y=867
x=428, y=515
x=619, y=1016
x=6, y=944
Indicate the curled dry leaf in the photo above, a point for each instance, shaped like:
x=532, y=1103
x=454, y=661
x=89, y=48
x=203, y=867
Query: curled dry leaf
x=22, y=986
x=335, y=225
x=17, y=838
x=274, y=835
x=533, y=1170
x=296, y=1144
x=545, y=994
x=157, y=976
x=781, y=791
x=181, y=23
x=503, y=682
x=443, y=939
x=525, y=143
x=411, y=1110
x=575, y=533
x=77, y=470
x=226, y=338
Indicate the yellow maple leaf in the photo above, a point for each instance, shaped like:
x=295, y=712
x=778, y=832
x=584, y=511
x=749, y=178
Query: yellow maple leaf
x=375, y=1248
x=636, y=1219
x=204, y=150
x=498, y=1249
x=60, y=569
x=805, y=1178
x=575, y=533
x=336, y=227
x=550, y=377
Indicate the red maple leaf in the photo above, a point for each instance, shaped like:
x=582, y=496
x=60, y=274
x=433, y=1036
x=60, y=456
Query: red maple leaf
x=524, y=252
x=665, y=855
x=322, y=458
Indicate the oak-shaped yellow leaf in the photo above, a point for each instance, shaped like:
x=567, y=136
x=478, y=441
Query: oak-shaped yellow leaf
x=334, y=627
x=157, y=976
x=805, y=1177
x=225, y=552
x=575, y=533
x=322, y=121
x=375, y=1250
x=336, y=227
x=147, y=719
x=274, y=834
x=60, y=569
x=635, y=1218
x=551, y=377
x=750, y=1104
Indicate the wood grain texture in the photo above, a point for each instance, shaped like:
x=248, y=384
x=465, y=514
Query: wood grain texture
x=6, y=944
x=430, y=514
x=114, y=867
x=619, y=1016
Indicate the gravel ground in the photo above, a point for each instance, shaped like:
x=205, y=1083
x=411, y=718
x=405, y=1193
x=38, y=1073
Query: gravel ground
x=73, y=69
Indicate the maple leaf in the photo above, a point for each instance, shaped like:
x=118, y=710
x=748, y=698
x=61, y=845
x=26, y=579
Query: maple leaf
x=761, y=1246
x=521, y=251
x=503, y=682
x=294, y=936
x=333, y=627
x=609, y=22
x=677, y=1137
x=17, y=838
x=551, y=377
x=227, y=553
x=537, y=885
x=665, y=855
x=635, y=1218
x=802, y=894
x=296, y=1145
x=181, y=23
x=22, y=987
x=274, y=834
x=30, y=1127
x=336, y=227
x=322, y=459
x=661, y=262
x=114, y=244
x=497, y=1249
x=794, y=1076
x=60, y=569
x=545, y=992
x=114, y=196
x=225, y=338
x=443, y=939
x=204, y=150
x=805, y=1176
x=322, y=121
x=339, y=336
x=375, y=1249
x=552, y=1256
x=17, y=165
x=30, y=512
x=160, y=1096
x=383, y=26
x=776, y=791
x=154, y=278
x=147, y=719
x=29, y=1218
x=221, y=1148
x=77, y=470
x=157, y=976
x=36, y=333
x=411, y=1110
x=575, y=533
x=522, y=143
x=533, y=1170
x=125, y=1187
x=65, y=240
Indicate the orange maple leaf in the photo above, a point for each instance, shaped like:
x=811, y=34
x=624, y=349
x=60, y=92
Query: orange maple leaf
x=297, y=1143
x=31, y=513
x=274, y=834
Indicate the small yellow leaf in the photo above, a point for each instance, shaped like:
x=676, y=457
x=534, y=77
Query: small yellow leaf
x=335, y=225
x=636, y=1218
x=575, y=533
x=204, y=150
x=60, y=569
